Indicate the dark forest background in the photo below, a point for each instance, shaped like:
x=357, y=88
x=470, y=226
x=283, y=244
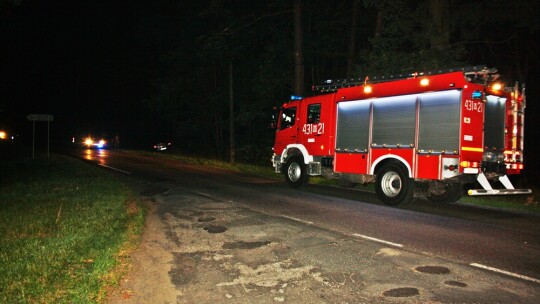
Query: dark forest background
x=165, y=70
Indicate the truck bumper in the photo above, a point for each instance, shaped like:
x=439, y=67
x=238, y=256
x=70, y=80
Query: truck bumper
x=276, y=163
x=488, y=189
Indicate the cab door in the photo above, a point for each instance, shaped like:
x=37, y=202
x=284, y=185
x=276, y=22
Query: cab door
x=313, y=131
x=287, y=127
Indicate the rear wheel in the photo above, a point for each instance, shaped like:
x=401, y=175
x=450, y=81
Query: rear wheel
x=445, y=193
x=393, y=185
x=346, y=183
x=295, y=172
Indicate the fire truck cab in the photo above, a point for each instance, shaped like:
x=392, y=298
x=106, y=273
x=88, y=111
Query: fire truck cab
x=424, y=134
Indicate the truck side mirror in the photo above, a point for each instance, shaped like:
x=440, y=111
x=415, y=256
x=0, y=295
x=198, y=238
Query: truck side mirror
x=274, y=119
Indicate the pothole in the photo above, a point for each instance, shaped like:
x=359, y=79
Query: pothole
x=245, y=245
x=433, y=269
x=206, y=219
x=402, y=292
x=215, y=229
x=455, y=284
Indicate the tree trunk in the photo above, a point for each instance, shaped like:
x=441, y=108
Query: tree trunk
x=352, y=40
x=440, y=36
x=231, y=114
x=378, y=24
x=298, y=49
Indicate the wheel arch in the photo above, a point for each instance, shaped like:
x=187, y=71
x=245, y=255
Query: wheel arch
x=389, y=158
x=294, y=150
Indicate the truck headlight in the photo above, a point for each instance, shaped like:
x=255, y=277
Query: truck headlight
x=493, y=157
x=488, y=157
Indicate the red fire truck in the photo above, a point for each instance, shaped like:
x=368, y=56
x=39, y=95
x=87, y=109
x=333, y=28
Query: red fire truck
x=420, y=135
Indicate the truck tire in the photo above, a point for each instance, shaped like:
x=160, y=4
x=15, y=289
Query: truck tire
x=346, y=184
x=393, y=186
x=295, y=172
x=446, y=193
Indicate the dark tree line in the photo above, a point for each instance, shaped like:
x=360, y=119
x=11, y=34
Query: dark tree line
x=264, y=47
x=204, y=57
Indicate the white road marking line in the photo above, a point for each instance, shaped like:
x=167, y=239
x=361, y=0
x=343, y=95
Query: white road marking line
x=377, y=240
x=115, y=169
x=515, y=275
x=297, y=219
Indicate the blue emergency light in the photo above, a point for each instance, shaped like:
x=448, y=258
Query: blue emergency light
x=477, y=94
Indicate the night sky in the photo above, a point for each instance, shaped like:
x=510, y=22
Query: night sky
x=90, y=63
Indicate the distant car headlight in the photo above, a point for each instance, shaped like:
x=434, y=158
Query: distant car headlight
x=88, y=141
x=162, y=146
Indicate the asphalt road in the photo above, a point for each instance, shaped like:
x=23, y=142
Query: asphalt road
x=468, y=254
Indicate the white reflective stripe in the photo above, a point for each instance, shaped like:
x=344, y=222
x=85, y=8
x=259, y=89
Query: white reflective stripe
x=311, y=140
x=483, y=181
x=115, y=169
x=508, y=273
x=297, y=219
x=506, y=182
x=377, y=240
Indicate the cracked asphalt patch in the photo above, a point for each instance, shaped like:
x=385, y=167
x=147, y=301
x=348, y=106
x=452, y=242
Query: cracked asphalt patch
x=198, y=249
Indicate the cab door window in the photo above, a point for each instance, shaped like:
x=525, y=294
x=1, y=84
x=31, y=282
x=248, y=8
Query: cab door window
x=288, y=117
x=314, y=113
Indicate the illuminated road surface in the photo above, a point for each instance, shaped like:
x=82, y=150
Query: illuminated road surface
x=489, y=247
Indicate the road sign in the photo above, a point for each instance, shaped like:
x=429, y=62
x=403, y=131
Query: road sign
x=40, y=117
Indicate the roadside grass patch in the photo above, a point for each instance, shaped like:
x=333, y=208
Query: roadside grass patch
x=191, y=160
x=64, y=228
x=520, y=203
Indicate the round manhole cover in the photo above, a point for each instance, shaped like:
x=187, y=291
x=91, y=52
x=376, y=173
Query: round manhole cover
x=402, y=292
x=433, y=269
x=455, y=283
x=215, y=229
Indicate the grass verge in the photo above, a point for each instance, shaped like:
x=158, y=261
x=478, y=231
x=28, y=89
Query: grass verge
x=516, y=203
x=65, y=227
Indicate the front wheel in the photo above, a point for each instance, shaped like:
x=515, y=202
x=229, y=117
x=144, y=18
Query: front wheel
x=295, y=172
x=393, y=186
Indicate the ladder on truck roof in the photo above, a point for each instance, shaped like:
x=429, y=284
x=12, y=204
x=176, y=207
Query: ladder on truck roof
x=477, y=73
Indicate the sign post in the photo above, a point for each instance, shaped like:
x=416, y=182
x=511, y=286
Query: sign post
x=40, y=117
